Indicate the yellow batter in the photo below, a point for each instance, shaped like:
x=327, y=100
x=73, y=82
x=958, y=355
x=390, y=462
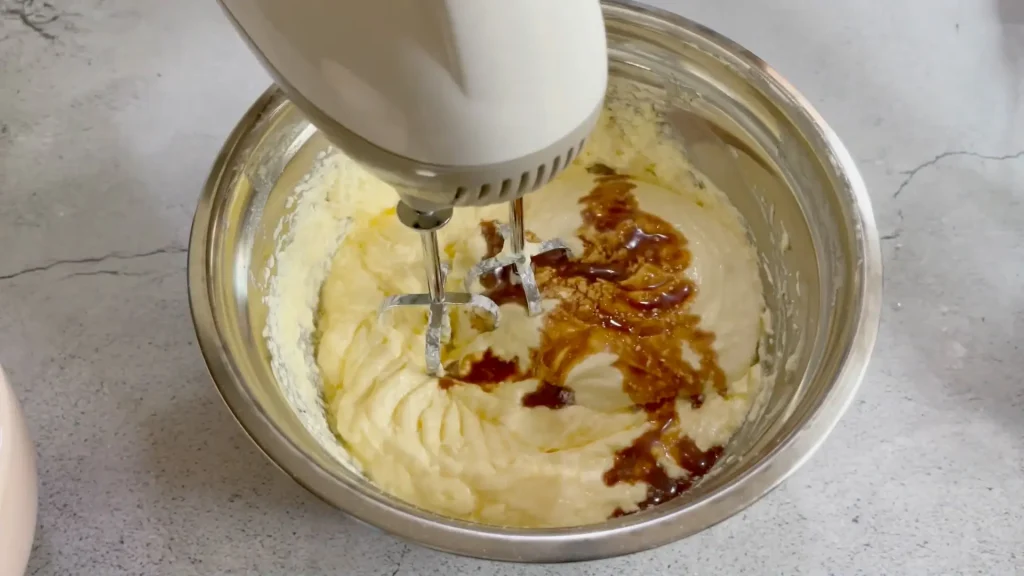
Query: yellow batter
x=478, y=454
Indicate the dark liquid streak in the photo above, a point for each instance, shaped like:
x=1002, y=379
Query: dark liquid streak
x=638, y=462
x=601, y=169
x=666, y=299
x=493, y=239
x=648, y=266
x=694, y=460
x=627, y=294
x=549, y=396
x=489, y=370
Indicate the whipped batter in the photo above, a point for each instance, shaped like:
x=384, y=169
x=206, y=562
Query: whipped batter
x=546, y=421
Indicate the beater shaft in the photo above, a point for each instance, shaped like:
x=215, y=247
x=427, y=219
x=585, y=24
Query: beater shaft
x=437, y=300
x=515, y=221
x=432, y=265
x=515, y=234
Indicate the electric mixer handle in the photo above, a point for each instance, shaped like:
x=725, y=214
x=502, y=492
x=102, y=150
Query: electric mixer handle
x=456, y=102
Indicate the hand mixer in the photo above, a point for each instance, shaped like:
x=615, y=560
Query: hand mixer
x=453, y=102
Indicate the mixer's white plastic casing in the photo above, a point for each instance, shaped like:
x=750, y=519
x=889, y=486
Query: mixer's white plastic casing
x=447, y=95
x=18, y=490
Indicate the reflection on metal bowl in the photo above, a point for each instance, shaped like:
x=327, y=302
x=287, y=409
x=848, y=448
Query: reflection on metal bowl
x=745, y=129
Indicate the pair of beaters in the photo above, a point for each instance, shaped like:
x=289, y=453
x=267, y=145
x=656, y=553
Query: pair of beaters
x=438, y=300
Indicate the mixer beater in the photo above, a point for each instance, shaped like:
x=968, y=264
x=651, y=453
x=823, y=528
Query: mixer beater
x=518, y=258
x=438, y=300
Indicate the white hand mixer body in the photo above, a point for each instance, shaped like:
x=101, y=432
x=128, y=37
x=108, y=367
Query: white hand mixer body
x=454, y=102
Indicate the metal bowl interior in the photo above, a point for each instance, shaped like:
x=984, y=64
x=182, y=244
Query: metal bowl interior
x=743, y=126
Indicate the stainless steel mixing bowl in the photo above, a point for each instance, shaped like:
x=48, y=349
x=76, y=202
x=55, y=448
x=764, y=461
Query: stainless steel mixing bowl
x=746, y=129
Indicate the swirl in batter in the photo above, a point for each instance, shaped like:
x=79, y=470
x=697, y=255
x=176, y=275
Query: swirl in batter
x=620, y=396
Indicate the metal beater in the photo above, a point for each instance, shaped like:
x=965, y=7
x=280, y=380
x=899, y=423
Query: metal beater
x=438, y=299
x=515, y=231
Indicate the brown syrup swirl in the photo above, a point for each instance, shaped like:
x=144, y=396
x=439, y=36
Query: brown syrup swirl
x=490, y=370
x=550, y=396
x=638, y=462
x=627, y=293
x=601, y=169
x=492, y=237
x=487, y=371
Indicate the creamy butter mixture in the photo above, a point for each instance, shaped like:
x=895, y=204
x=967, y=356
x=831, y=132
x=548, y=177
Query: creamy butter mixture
x=618, y=397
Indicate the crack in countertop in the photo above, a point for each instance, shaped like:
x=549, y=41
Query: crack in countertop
x=95, y=260
x=910, y=174
x=33, y=14
x=897, y=232
x=401, y=559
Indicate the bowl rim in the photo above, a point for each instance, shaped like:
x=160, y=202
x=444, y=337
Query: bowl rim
x=552, y=545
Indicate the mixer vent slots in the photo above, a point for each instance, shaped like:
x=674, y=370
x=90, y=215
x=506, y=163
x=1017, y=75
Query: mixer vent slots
x=528, y=181
x=541, y=173
x=524, y=182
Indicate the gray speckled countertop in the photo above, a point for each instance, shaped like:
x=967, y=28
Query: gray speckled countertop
x=111, y=112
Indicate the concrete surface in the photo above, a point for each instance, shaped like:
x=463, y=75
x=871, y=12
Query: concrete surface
x=111, y=112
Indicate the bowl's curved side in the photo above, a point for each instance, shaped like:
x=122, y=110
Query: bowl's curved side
x=622, y=536
x=852, y=195
x=18, y=485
